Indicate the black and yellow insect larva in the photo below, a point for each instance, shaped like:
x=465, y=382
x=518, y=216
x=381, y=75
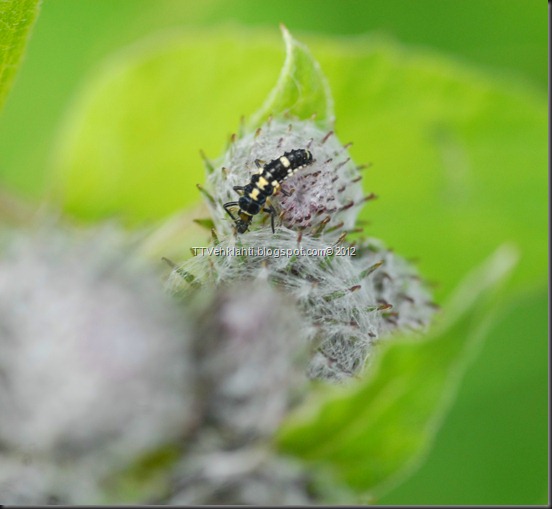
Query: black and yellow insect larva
x=265, y=183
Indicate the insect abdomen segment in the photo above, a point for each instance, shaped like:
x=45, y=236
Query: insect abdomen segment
x=285, y=166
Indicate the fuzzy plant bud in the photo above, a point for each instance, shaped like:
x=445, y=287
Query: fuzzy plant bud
x=327, y=190
x=349, y=296
x=25, y=482
x=247, y=476
x=406, y=302
x=249, y=362
x=249, y=359
x=95, y=361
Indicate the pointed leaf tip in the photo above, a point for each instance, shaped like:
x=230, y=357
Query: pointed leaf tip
x=301, y=90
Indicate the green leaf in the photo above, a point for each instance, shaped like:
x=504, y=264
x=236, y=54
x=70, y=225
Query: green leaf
x=371, y=433
x=492, y=446
x=302, y=90
x=459, y=157
x=131, y=144
x=17, y=17
x=147, y=478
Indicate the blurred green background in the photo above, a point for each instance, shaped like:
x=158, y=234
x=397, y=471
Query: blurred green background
x=507, y=38
x=492, y=447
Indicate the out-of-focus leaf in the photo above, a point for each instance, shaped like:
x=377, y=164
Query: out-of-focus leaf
x=301, y=91
x=459, y=159
x=369, y=434
x=175, y=237
x=145, y=479
x=130, y=145
x=16, y=20
x=491, y=448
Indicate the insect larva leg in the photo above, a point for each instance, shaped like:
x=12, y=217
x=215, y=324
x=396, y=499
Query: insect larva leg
x=270, y=210
x=228, y=205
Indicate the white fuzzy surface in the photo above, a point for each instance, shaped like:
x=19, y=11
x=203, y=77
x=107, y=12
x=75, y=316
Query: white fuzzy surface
x=250, y=359
x=340, y=325
x=94, y=368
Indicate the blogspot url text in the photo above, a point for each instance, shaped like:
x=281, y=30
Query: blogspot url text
x=274, y=252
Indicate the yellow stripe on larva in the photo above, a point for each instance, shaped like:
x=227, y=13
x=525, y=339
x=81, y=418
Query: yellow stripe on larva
x=262, y=183
x=253, y=194
x=285, y=161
